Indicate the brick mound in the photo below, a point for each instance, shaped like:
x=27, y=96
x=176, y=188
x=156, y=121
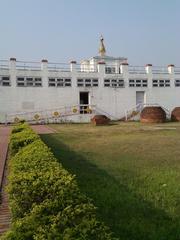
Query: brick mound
x=175, y=114
x=100, y=120
x=153, y=115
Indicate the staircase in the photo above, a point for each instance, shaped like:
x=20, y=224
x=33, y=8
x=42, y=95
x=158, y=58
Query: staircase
x=134, y=113
x=102, y=112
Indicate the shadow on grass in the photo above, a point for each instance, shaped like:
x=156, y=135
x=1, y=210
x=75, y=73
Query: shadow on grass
x=128, y=215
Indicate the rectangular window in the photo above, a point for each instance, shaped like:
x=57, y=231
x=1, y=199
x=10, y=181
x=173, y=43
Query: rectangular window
x=20, y=81
x=5, y=81
x=52, y=82
x=110, y=70
x=87, y=85
x=87, y=82
x=59, y=82
x=95, y=80
x=29, y=82
x=80, y=85
x=68, y=80
x=38, y=82
x=138, y=82
x=106, y=80
x=161, y=83
x=120, y=83
x=177, y=82
x=79, y=80
x=114, y=83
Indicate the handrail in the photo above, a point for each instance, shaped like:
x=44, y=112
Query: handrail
x=139, y=107
x=47, y=114
x=101, y=111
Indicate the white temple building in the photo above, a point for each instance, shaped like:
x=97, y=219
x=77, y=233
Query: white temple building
x=75, y=92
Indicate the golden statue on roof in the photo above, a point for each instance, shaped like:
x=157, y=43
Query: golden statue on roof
x=102, y=49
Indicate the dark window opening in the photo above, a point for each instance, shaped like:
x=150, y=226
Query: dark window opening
x=84, y=100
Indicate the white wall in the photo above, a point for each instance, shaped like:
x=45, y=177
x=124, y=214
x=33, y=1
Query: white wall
x=114, y=101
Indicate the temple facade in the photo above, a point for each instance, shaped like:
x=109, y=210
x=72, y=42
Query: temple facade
x=75, y=92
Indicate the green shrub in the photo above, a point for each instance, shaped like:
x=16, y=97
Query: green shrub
x=21, y=139
x=19, y=128
x=45, y=200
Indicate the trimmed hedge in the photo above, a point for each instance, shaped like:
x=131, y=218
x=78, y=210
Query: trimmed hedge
x=21, y=137
x=45, y=200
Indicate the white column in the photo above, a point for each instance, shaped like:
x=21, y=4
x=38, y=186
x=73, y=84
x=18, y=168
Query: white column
x=148, y=68
x=101, y=73
x=171, y=76
x=44, y=72
x=73, y=69
x=73, y=66
x=149, y=96
x=12, y=71
x=101, y=67
x=124, y=68
x=171, y=69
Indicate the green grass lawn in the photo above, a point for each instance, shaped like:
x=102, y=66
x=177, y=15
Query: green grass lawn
x=130, y=171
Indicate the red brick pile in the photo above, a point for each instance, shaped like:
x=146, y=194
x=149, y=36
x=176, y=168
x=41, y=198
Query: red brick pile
x=175, y=115
x=153, y=115
x=100, y=120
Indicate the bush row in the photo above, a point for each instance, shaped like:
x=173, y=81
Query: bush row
x=44, y=198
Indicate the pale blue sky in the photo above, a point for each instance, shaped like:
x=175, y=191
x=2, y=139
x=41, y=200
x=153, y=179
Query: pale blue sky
x=145, y=31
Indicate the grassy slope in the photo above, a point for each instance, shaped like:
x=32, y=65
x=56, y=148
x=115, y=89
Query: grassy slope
x=131, y=171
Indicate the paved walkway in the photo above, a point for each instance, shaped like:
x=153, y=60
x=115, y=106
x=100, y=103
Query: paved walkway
x=43, y=129
x=5, y=217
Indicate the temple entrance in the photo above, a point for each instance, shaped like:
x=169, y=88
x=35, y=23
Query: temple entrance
x=84, y=101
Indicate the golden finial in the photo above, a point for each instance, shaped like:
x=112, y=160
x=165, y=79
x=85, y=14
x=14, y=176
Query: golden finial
x=102, y=50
